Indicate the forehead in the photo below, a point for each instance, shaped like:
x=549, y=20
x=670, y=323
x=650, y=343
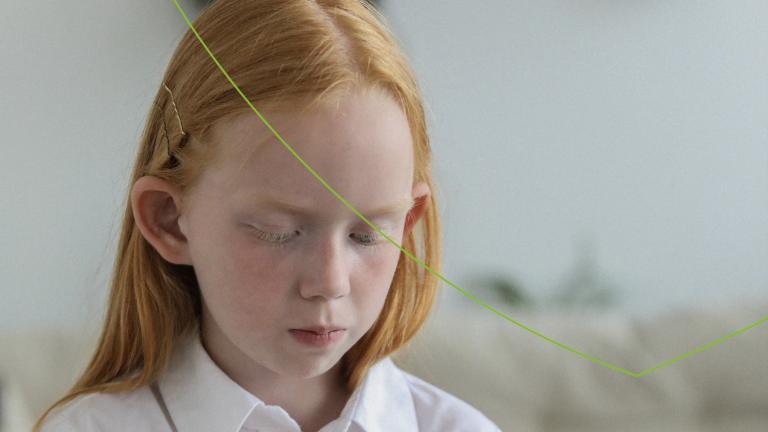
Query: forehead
x=361, y=146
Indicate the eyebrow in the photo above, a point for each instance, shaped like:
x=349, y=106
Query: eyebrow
x=389, y=209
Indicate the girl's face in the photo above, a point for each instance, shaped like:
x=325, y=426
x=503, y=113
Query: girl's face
x=265, y=268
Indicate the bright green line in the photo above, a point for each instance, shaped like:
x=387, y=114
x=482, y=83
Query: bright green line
x=475, y=299
x=705, y=347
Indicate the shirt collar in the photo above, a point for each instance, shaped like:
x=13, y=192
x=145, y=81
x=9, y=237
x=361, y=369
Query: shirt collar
x=385, y=402
x=201, y=397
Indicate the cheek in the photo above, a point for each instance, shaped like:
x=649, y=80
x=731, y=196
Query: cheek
x=256, y=290
x=240, y=286
x=374, y=282
x=240, y=301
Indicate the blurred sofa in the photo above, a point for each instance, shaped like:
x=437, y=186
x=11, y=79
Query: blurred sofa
x=517, y=379
x=525, y=383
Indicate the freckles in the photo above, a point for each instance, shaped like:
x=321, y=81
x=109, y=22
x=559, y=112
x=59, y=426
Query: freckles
x=378, y=275
x=389, y=262
x=252, y=305
x=375, y=274
x=251, y=285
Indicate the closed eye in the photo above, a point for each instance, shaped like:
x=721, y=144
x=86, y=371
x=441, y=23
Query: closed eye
x=281, y=239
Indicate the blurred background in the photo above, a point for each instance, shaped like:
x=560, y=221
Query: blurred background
x=602, y=172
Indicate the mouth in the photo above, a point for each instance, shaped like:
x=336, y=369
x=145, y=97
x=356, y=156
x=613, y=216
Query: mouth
x=320, y=330
x=316, y=339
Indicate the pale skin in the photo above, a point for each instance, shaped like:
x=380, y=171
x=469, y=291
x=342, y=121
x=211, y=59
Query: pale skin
x=324, y=273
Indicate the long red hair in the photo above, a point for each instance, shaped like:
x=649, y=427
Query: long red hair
x=278, y=52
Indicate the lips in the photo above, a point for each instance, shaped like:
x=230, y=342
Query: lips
x=309, y=338
x=320, y=329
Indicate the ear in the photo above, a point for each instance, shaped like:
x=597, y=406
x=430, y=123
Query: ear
x=421, y=194
x=156, y=204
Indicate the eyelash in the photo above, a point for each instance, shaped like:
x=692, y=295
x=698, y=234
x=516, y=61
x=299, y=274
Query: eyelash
x=279, y=240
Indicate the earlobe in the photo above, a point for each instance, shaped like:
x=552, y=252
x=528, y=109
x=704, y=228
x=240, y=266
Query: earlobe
x=155, y=204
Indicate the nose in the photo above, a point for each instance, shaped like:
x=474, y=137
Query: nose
x=326, y=274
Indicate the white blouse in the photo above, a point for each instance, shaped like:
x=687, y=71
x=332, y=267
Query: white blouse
x=196, y=395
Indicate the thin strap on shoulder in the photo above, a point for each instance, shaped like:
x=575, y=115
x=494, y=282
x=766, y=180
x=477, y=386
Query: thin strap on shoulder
x=160, y=401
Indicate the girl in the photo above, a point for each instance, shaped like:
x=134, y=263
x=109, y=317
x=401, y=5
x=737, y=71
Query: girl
x=245, y=297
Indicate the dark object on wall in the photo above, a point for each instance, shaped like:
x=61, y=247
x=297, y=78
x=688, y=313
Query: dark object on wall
x=584, y=286
x=501, y=287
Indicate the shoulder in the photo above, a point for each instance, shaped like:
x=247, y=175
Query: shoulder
x=438, y=410
x=133, y=410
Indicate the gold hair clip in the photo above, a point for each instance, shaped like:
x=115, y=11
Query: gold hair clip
x=165, y=126
x=176, y=110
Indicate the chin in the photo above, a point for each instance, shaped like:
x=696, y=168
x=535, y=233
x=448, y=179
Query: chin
x=307, y=368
